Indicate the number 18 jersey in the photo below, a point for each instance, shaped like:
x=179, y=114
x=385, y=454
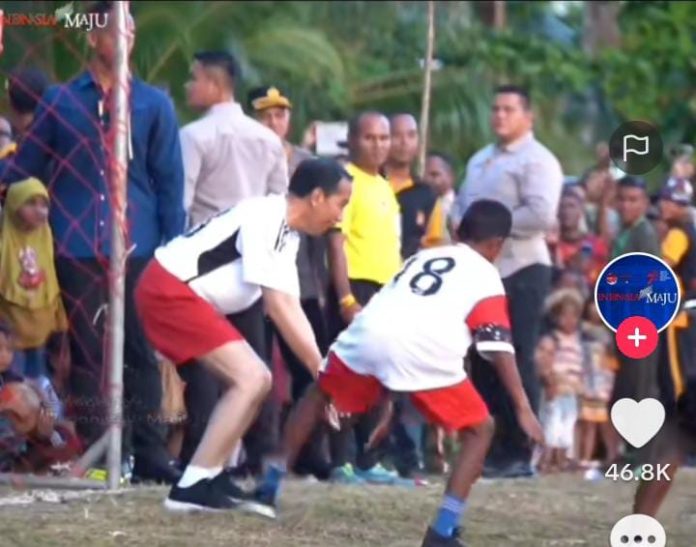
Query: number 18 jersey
x=414, y=334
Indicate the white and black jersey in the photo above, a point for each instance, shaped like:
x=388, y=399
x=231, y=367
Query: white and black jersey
x=415, y=332
x=227, y=259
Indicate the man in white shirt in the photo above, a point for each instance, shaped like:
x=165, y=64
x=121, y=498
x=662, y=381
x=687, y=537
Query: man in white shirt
x=221, y=267
x=228, y=156
x=412, y=338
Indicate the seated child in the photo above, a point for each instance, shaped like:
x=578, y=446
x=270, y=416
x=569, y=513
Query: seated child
x=36, y=435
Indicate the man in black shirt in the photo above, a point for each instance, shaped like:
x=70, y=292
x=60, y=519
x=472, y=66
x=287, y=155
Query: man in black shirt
x=415, y=198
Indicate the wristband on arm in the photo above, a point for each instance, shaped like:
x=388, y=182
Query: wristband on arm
x=348, y=301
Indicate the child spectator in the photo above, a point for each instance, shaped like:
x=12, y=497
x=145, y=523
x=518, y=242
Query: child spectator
x=11, y=443
x=600, y=367
x=561, y=377
x=33, y=432
x=576, y=247
x=601, y=217
x=565, y=279
x=30, y=300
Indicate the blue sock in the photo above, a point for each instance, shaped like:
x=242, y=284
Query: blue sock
x=447, y=519
x=270, y=484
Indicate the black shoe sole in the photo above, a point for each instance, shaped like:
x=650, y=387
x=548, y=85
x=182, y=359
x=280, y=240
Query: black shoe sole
x=249, y=507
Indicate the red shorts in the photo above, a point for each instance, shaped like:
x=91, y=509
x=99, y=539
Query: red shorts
x=453, y=407
x=177, y=322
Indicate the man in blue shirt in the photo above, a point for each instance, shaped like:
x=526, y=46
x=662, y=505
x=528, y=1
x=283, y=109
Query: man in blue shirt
x=69, y=142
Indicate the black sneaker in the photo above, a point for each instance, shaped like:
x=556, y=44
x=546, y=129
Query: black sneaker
x=433, y=539
x=249, y=502
x=224, y=482
x=201, y=496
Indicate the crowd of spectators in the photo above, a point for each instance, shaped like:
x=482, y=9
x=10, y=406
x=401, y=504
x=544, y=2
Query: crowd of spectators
x=54, y=278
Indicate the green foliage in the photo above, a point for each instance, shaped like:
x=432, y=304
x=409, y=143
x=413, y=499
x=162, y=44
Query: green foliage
x=653, y=75
x=336, y=58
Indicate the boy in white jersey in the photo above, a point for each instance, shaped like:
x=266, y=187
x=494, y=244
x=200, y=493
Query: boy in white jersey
x=224, y=266
x=412, y=337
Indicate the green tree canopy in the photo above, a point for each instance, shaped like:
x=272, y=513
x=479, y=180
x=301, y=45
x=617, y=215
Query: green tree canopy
x=336, y=58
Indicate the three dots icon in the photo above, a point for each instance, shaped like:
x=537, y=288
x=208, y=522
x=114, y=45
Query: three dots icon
x=638, y=531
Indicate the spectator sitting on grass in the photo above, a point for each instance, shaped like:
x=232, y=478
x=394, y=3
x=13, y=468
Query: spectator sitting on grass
x=34, y=434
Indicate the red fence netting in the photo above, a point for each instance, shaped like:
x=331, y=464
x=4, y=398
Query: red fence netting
x=71, y=151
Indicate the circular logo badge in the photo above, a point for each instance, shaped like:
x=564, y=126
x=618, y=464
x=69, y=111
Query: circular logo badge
x=636, y=147
x=637, y=284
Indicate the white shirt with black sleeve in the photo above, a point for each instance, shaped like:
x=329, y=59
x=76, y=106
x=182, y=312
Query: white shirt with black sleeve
x=228, y=258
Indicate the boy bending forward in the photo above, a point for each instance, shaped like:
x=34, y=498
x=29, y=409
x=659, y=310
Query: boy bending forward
x=412, y=337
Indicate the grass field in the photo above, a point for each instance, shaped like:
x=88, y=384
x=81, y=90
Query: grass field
x=553, y=511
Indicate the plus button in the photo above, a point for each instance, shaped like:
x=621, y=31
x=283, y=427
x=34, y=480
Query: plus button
x=636, y=337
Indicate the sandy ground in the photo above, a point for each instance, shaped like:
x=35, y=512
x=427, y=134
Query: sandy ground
x=553, y=511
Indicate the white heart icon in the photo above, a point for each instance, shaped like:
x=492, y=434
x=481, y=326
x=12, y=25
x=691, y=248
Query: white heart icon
x=638, y=422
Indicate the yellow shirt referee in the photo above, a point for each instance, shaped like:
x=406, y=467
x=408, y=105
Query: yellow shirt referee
x=365, y=250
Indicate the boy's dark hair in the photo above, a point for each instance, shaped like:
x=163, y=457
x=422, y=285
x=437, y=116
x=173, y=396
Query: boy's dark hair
x=571, y=191
x=520, y=91
x=485, y=219
x=630, y=181
x=221, y=60
x=324, y=173
x=582, y=181
x=355, y=123
x=25, y=88
x=446, y=158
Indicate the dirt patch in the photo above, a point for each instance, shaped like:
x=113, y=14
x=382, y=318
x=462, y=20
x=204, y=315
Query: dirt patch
x=553, y=511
